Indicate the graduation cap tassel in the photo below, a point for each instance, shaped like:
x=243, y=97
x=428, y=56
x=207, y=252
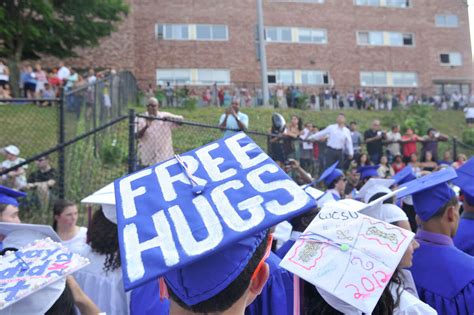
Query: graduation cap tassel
x=163, y=290
x=197, y=189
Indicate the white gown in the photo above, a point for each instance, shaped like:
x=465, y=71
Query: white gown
x=78, y=244
x=104, y=288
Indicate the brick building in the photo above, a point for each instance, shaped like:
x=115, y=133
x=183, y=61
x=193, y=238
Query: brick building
x=421, y=44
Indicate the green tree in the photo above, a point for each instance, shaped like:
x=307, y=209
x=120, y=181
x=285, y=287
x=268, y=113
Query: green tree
x=32, y=28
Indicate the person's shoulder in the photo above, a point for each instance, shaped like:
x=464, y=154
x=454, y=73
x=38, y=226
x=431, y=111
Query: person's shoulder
x=409, y=304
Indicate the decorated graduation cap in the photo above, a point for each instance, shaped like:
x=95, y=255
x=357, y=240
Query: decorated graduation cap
x=197, y=219
x=330, y=174
x=9, y=196
x=368, y=171
x=373, y=187
x=34, y=276
x=465, y=181
x=347, y=255
x=106, y=198
x=20, y=234
x=404, y=176
x=430, y=192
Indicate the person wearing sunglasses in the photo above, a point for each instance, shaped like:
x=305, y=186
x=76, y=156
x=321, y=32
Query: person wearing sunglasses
x=154, y=133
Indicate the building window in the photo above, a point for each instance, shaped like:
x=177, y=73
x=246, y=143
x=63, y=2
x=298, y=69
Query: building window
x=192, y=76
x=211, y=32
x=191, y=32
x=211, y=76
x=307, y=35
x=388, y=79
x=376, y=38
x=447, y=20
x=295, y=35
x=298, y=77
x=173, y=76
x=451, y=59
x=172, y=31
x=386, y=3
x=278, y=34
x=302, y=1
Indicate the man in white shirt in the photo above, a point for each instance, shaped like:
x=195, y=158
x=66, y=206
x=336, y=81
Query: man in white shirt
x=339, y=141
x=63, y=72
x=469, y=114
x=393, y=147
x=233, y=120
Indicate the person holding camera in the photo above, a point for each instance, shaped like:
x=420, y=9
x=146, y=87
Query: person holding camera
x=233, y=120
x=374, y=140
x=296, y=172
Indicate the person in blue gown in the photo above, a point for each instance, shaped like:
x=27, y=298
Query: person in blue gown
x=146, y=300
x=277, y=295
x=464, y=238
x=9, y=207
x=443, y=274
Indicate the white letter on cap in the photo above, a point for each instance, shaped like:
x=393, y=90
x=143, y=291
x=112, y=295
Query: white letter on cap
x=211, y=165
x=128, y=194
x=240, y=153
x=185, y=235
x=300, y=198
x=134, y=249
x=229, y=213
x=165, y=180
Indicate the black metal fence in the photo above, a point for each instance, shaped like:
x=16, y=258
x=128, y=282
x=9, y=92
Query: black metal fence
x=89, y=144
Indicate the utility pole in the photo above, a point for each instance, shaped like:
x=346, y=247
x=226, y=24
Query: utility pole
x=263, y=56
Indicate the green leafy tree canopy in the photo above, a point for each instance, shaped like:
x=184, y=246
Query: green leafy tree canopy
x=31, y=28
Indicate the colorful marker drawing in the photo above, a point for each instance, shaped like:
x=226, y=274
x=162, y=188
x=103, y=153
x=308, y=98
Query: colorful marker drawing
x=391, y=237
x=307, y=254
x=368, y=266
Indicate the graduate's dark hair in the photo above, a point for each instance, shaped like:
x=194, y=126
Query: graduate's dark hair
x=102, y=236
x=381, y=194
x=301, y=222
x=58, y=208
x=334, y=182
x=3, y=206
x=452, y=202
x=234, y=291
x=64, y=305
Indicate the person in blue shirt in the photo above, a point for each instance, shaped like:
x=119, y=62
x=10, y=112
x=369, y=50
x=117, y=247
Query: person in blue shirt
x=464, y=238
x=233, y=120
x=443, y=274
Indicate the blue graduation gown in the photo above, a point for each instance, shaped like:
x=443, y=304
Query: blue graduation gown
x=281, y=252
x=145, y=300
x=277, y=295
x=464, y=239
x=444, y=275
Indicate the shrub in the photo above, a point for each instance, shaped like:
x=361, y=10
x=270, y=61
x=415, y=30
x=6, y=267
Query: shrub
x=468, y=136
x=190, y=103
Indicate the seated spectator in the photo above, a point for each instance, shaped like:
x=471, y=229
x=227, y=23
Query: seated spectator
x=447, y=160
x=415, y=165
x=398, y=164
x=363, y=160
x=409, y=144
x=385, y=170
x=42, y=183
x=429, y=165
x=15, y=179
x=460, y=160
x=430, y=143
x=47, y=93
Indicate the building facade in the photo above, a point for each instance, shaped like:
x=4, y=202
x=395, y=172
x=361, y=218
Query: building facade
x=349, y=44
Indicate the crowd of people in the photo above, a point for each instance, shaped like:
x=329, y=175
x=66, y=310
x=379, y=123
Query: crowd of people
x=304, y=97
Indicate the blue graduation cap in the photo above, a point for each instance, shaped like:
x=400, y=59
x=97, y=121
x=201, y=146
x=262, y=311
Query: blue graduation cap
x=404, y=176
x=200, y=241
x=330, y=174
x=368, y=171
x=430, y=192
x=465, y=181
x=9, y=196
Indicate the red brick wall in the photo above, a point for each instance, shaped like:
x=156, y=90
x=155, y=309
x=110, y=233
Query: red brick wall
x=134, y=46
